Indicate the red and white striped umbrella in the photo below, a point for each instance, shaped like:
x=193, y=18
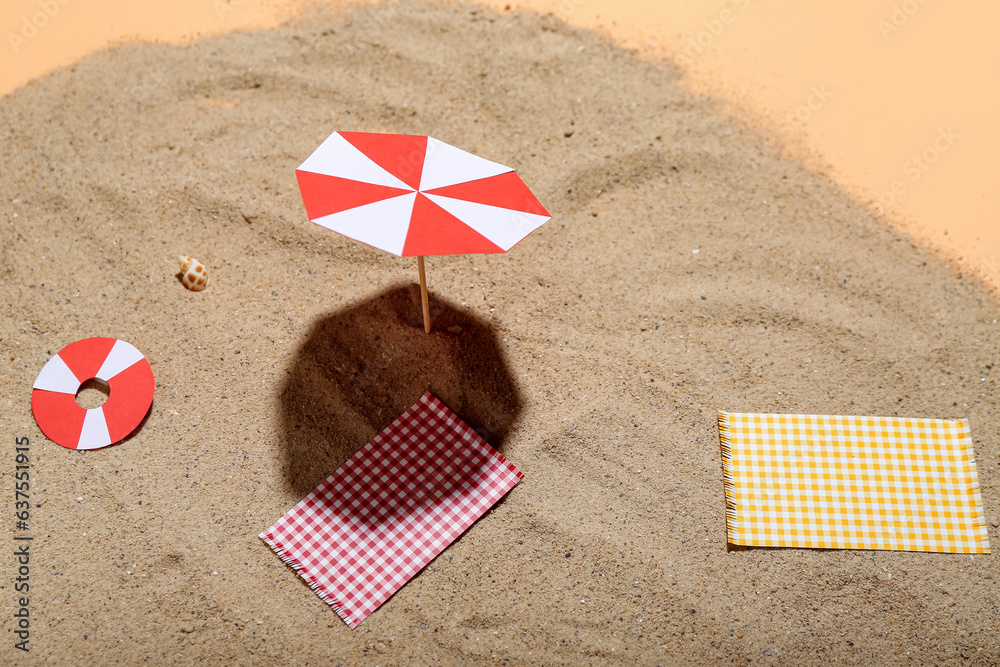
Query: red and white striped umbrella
x=413, y=195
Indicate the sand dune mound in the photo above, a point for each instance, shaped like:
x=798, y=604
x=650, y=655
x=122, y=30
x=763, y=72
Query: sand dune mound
x=688, y=268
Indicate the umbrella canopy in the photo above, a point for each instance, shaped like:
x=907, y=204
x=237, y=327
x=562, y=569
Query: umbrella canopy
x=413, y=195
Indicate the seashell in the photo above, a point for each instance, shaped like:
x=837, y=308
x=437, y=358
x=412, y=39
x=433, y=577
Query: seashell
x=194, y=276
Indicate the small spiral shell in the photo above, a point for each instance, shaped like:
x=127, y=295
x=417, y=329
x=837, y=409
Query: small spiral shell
x=194, y=276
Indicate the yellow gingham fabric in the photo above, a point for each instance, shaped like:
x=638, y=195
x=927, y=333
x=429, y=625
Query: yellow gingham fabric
x=830, y=482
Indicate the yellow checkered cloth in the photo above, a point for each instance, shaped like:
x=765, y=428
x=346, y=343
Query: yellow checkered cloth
x=829, y=482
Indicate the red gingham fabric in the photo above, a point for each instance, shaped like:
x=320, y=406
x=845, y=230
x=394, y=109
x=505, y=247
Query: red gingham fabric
x=394, y=506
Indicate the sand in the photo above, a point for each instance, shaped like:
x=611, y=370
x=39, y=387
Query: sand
x=859, y=91
x=689, y=267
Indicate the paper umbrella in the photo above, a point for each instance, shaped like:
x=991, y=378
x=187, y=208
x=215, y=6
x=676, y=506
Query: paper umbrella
x=413, y=195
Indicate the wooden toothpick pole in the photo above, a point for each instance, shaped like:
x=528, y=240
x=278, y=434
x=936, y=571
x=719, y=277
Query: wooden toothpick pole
x=423, y=295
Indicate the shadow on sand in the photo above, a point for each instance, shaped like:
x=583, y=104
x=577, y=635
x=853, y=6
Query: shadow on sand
x=361, y=367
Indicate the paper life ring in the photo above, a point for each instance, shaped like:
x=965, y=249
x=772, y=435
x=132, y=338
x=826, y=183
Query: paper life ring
x=120, y=365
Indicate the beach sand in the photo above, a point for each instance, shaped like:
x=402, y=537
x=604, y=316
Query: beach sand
x=884, y=97
x=689, y=267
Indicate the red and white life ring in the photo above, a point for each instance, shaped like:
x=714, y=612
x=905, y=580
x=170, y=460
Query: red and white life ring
x=120, y=365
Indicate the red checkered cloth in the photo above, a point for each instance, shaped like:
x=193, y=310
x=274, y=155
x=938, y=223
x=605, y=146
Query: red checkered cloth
x=391, y=509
